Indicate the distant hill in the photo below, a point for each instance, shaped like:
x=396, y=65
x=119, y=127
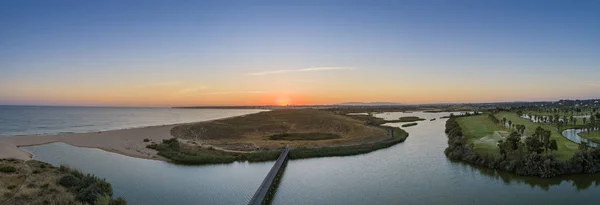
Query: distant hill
x=369, y=104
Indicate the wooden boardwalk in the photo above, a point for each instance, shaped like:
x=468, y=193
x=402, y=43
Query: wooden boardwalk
x=267, y=188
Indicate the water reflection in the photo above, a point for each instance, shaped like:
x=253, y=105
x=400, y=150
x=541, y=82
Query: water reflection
x=580, y=181
x=413, y=172
x=143, y=181
x=573, y=135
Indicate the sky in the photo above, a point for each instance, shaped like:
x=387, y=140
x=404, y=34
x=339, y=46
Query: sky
x=200, y=53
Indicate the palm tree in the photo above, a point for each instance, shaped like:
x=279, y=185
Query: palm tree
x=558, y=126
x=571, y=120
x=593, y=121
x=509, y=124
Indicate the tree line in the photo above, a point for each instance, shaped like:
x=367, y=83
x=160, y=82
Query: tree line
x=591, y=123
x=529, y=157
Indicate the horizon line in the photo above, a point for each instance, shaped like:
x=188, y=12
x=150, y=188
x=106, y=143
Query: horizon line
x=292, y=105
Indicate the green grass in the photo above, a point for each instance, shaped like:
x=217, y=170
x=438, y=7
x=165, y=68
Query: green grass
x=187, y=154
x=410, y=119
x=410, y=124
x=477, y=127
x=304, y=136
x=402, y=119
x=566, y=148
x=481, y=132
x=398, y=136
x=594, y=136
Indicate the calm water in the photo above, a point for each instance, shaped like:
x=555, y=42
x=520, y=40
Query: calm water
x=572, y=134
x=413, y=172
x=143, y=181
x=32, y=120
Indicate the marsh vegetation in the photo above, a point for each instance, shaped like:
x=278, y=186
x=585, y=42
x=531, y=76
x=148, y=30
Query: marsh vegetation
x=336, y=135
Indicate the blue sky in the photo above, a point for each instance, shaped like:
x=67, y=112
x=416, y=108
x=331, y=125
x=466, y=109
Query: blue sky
x=109, y=52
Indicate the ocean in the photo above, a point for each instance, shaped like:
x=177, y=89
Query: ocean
x=45, y=120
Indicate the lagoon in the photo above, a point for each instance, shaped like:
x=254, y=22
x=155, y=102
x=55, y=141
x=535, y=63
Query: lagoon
x=413, y=172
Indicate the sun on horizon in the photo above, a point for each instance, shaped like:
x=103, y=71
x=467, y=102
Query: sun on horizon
x=283, y=101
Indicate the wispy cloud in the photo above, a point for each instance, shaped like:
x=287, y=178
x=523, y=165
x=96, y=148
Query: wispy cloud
x=300, y=70
x=191, y=90
x=235, y=92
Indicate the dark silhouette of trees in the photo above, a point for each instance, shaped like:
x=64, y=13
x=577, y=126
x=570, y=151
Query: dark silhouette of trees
x=553, y=146
x=534, y=145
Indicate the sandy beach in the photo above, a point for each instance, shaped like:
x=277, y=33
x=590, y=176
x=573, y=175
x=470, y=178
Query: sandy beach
x=128, y=142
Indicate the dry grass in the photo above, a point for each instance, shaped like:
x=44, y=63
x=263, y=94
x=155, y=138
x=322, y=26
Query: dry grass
x=33, y=183
x=255, y=130
x=10, y=182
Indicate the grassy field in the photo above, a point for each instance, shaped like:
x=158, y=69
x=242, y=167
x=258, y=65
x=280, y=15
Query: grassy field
x=197, y=155
x=593, y=135
x=260, y=137
x=482, y=133
x=566, y=148
x=35, y=182
x=256, y=131
x=398, y=136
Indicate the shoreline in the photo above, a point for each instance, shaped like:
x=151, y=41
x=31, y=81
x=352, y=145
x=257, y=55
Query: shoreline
x=128, y=141
x=131, y=142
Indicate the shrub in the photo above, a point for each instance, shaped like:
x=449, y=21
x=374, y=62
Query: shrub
x=8, y=169
x=146, y=140
x=91, y=193
x=69, y=181
x=152, y=146
x=409, y=124
x=64, y=168
x=102, y=200
x=118, y=201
